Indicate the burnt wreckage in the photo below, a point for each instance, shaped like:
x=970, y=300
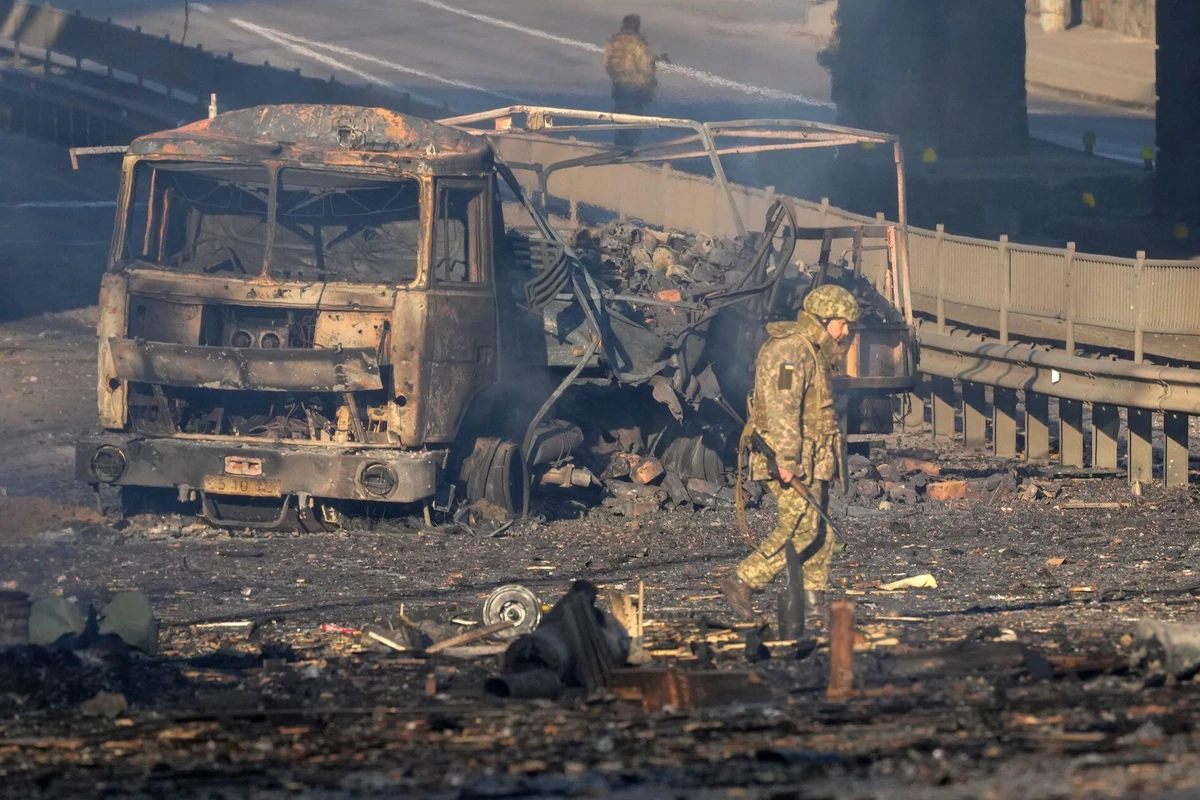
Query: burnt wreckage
x=307, y=307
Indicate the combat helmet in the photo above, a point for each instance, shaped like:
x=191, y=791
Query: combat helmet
x=831, y=302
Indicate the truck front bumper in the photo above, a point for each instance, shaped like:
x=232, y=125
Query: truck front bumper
x=323, y=471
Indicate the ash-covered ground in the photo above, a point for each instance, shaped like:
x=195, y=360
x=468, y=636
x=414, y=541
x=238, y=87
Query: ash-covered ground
x=1010, y=679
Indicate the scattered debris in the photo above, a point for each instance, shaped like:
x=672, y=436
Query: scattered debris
x=14, y=618
x=841, y=650
x=671, y=687
x=944, y=491
x=576, y=642
x=106, y=704
x=514, y=604
x=925, y=581
x=1166, y=648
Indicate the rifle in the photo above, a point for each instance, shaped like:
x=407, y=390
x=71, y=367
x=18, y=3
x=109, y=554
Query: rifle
x=761, y=445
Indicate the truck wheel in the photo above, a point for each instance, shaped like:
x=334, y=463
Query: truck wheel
x=497, y=474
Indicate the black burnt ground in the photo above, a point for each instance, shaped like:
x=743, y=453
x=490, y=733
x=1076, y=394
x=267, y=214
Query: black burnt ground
x=1009, y=679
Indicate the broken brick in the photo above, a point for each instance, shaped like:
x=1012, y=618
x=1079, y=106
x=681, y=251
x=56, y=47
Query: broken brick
x=943, y=491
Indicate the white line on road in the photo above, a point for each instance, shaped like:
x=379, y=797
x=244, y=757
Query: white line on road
x=283, y=40
x=61, y=204
x=346, y=51
x=700, y=75
x=203, y=7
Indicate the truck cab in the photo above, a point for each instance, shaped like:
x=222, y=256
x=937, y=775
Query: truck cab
x=299, y=303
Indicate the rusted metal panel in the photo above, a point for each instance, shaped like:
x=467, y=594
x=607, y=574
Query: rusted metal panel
x=326, y=296
x=329, y=135
x=286, y=370
x=349, y=329
x=408, y=375
x=114, y=302
x=461, y=351
x=324, y=471
x=162, y=320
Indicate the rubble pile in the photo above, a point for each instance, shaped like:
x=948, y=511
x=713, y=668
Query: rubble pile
x=670, y=266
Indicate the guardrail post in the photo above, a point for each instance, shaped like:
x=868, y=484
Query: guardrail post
x=939, y=260
x=974, y=416
x=943, y=407
x=1139, y=271
x=1004, y=275
x=1070, y=433
x=1106, y=425
x=1004, y=401
x=1141, y=451
x=1037, y=428
x=1175, y=426
x=1004, y=422
x=1069, y=302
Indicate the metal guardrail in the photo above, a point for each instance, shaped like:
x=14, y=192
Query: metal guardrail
x=186, y=73
x=1140, y=306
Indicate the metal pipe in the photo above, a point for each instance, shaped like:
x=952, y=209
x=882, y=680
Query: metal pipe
x=902, y=219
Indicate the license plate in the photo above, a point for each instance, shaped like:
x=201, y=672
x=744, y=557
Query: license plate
x=240, y=485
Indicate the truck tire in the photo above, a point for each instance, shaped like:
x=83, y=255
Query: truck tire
x=496, y=473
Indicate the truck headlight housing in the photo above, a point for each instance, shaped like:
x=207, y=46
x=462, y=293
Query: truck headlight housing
x=378, y=480
x=107, y=464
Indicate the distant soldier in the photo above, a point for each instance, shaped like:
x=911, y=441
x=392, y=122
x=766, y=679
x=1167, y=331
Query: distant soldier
x=792, y=409
x=631, y=65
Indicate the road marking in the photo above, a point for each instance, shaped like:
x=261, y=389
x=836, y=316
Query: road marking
x=346, y=51
x=696, y=74
x=61, y=204
x=203, y=7
x=281, y=39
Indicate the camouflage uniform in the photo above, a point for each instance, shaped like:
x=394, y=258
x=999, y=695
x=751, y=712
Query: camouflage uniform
x=792, y=409
x=630, y=64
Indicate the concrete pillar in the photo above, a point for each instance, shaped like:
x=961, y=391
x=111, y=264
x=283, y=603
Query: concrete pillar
x=1055, y=15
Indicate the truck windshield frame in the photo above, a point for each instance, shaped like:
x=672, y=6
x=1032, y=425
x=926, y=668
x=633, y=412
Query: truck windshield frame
x=276, y=222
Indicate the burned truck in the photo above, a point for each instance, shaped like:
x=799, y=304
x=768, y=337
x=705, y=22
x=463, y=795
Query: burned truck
x=309, y=309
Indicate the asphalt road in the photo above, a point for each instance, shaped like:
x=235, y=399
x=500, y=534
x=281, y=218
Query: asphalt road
x=731, y=58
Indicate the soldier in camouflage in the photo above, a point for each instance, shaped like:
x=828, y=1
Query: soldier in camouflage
x=632, y=66
x=792, y=409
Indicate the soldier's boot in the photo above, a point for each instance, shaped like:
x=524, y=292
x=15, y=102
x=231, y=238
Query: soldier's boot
x=737, y=594
x=816, y=610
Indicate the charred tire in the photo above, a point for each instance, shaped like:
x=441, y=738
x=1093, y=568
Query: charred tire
x=139, y=500
x=496, y=473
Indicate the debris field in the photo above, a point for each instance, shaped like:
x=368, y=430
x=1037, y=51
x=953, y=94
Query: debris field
x=999, y=644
